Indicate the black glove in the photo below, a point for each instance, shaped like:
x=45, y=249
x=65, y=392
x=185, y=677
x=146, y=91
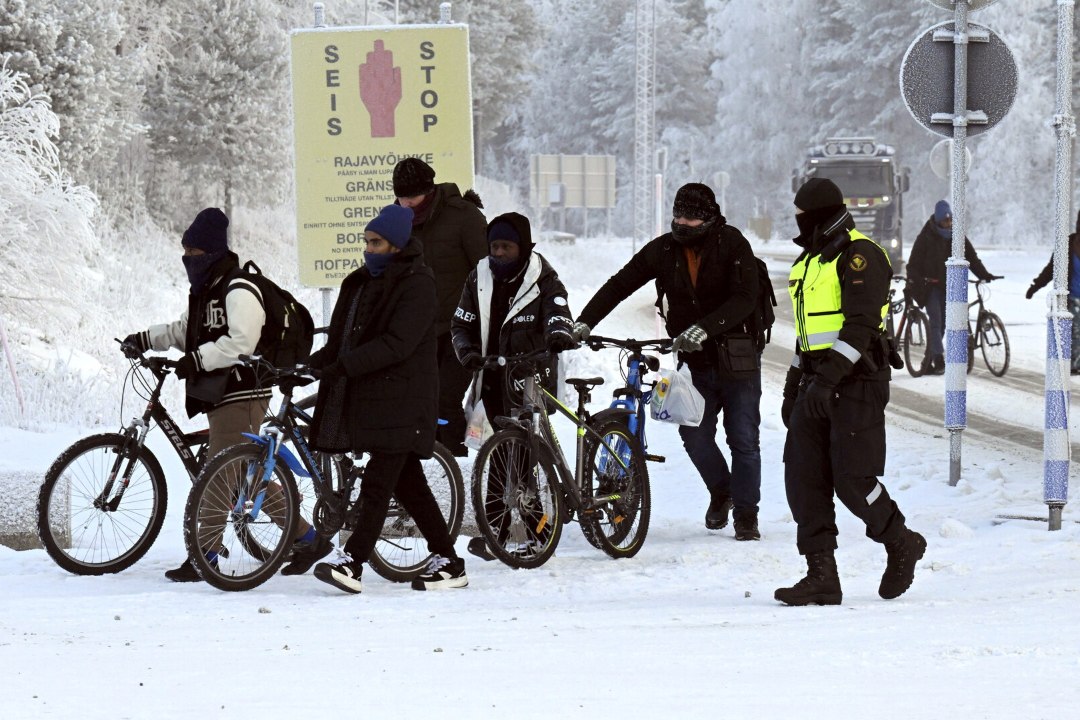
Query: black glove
x=690, y=340
x=140, y=341
x=472, y=361
x=560, y=341
x=186, y=367
x=791, y=391
x=819, y=398
x=1031, y=292
x=580, y=331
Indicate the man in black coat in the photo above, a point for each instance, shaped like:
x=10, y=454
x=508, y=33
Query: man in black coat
x=379, y=393
x=1072, y=285
x=707, y=282
x=926, y=279
x=452, y=230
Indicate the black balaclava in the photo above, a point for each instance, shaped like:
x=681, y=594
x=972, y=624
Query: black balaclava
x=820, y=200
x=694, y=201
x=513, y=227
x=208, y=232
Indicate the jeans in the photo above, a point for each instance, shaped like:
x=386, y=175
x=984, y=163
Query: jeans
x=935, y=311
x=739, y=401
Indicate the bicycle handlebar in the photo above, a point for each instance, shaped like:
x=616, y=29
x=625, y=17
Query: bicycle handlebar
x=493, y=361
x=660, y=345
x=154, y=362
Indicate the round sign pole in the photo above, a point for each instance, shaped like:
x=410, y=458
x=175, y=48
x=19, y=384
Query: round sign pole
x=1056, y=452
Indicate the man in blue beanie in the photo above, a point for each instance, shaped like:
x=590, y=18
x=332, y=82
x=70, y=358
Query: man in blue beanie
x=378, y=394
x=926, y=279
x=224, y=320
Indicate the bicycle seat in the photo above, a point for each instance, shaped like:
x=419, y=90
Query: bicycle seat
x=583, y=384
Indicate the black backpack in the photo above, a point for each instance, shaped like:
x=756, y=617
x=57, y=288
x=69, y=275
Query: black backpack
x=761, y=320
x=289, y=331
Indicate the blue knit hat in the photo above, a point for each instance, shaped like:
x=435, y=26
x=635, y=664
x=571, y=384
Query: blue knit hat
x=394, y=223
x=942, y=211
x=208, y=232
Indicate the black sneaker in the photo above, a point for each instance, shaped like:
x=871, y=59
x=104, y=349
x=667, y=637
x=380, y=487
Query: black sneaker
x=442, y=574
x=186, y=572
x=307, y=554
x=344, y=575
x=716, y=517
x=746, y=527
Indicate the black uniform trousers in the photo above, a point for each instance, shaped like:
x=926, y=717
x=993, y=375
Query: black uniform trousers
x=400, y=475
x=843, y=454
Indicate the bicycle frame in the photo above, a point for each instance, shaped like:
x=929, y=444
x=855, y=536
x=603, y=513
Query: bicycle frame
x=632, y=396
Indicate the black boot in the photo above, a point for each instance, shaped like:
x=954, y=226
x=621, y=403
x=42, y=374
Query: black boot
x=937, y=365
x=307, y=554
x=821, y=586
x=185, y=573
x=746, y=527
x=900, y=568
x=716, y=517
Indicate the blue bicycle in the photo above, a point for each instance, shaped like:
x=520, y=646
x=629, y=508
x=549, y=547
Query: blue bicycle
x=636, y=392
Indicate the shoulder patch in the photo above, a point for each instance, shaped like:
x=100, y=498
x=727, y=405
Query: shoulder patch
x=559, y=300
x=857, y=262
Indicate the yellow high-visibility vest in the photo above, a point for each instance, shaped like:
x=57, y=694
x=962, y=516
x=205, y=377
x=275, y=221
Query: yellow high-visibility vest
x=814, y=287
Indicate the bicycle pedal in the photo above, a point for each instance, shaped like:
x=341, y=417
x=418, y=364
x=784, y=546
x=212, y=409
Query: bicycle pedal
x=655, y=458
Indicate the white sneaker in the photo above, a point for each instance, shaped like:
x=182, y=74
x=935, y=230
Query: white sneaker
x=344, y=575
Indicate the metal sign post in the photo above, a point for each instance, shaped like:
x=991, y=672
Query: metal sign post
x=1056, y=452
x=940, y=86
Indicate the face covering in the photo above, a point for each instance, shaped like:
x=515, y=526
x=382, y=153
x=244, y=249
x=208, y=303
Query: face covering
x=690, y=236
x=504, y=269
x=376, y=263
x=198, y=268
x=944, y=232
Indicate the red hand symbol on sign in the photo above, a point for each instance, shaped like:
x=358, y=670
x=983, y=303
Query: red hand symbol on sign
x=380, y=89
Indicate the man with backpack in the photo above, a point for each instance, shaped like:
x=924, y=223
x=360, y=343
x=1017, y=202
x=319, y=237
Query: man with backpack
x=225, y=319
x=709, y=294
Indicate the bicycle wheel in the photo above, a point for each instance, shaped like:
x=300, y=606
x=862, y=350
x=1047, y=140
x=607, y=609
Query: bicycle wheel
x=915, y=345
x=518, y=505
x=401, y=552
x=995, y=344
x=84, y=523
x=616, y=494
x=218, y=519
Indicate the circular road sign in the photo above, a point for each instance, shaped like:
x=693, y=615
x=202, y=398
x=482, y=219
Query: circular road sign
x=941, y=159
x=926, y=79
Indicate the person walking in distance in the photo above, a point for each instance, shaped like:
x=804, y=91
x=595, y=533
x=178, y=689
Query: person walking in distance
x=1073, y=286
x=454, y=236
x=378, y=394
x=834, y=398
x=224, y=320
x=926, y=279
x=707, y=282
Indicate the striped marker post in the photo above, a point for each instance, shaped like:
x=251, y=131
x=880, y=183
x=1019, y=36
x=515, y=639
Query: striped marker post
x=956, y=358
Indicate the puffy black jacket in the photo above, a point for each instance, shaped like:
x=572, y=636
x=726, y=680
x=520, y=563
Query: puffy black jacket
x=926, y=265
x=1047, y=274
x=537, y=311
x=386, y=397
x=721, y=302
x=454, y=236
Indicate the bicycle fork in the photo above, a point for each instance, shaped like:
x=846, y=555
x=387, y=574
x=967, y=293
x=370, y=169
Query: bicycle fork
x=256, y=483
x=135, y=434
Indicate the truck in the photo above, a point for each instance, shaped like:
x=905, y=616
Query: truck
x=873, y=184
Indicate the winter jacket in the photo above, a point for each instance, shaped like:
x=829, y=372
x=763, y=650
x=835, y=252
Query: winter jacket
x=862, y=278
x=537, y=311
x=380, y=387
x=1047, y=275
x=230, y=321
x=721, y=302
x=926, y=266
x=454, y=236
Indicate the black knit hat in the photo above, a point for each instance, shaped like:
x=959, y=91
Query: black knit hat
x=695, y=202
x=208, y=232
x=413, y=176
x=818, y=193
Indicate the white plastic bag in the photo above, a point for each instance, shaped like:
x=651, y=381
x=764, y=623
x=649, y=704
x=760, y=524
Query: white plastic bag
x=676, y=400
x=478, y=428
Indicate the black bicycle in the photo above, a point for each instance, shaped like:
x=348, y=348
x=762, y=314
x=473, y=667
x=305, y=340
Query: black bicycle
x=524, y=490
x=913, y=328
x=241, y=516
x=987, y=334
x=103, y=501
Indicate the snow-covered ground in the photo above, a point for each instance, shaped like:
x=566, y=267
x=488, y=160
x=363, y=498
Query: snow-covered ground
x=688, y=628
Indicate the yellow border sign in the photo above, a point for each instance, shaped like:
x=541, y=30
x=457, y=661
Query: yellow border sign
x=363, y=99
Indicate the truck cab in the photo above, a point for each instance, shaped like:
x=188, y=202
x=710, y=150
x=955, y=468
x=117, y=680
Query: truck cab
x=872, y=182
